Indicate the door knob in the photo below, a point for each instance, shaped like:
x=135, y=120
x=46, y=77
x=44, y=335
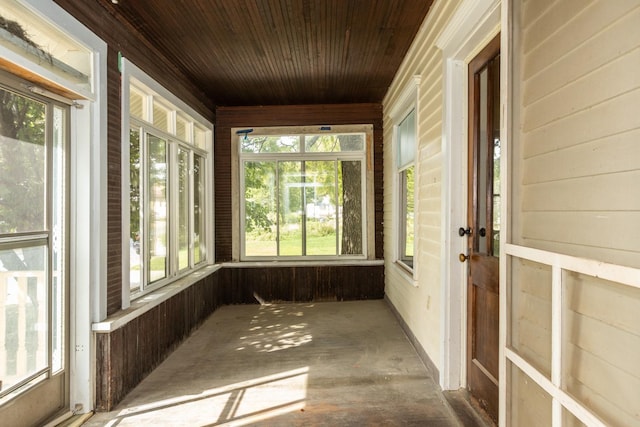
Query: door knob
x=462, y=231
x=482, y=232
x=463, y=257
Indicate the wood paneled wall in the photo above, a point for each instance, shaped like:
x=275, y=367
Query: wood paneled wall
x=128, y=354
x=249, y=285
x=288, y=115
x=121, y=37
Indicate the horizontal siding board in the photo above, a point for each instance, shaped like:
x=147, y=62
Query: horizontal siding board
x=534, y=10
x=581, y=24
x=595, y=298
x=610, y=255
x=601, y=380
x=596, y=229
x=587, y=125
x=618, y=347
x=604, y=83
x=604, y=193
x=552, y=20
x=619, y=38
x=611, y=154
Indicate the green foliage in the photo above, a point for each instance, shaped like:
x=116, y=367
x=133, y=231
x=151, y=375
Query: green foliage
x=22, y=174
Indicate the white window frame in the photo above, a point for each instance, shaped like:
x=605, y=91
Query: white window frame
x=365, y=157
x=406, y=103
x=132, y=76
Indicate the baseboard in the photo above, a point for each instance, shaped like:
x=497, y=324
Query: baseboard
x=422, y=354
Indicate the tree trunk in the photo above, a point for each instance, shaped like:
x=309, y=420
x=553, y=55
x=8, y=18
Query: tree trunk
x=351, y=197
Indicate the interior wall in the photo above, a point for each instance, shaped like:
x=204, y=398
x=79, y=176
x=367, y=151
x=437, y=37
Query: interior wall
x=574, y=191
x=419, y=302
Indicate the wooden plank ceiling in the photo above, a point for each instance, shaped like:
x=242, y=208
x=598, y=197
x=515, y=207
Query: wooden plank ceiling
x=281, y=52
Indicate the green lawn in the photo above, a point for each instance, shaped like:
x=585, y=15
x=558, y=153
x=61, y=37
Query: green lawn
x=324, y=245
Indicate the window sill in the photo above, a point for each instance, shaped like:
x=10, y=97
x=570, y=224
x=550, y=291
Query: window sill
x=407, y=273
x=151, y=300
x=302, y=263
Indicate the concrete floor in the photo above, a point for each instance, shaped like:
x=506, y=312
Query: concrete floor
x=313, y=364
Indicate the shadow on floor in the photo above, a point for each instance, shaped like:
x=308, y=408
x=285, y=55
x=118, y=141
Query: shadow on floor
x=320, y=364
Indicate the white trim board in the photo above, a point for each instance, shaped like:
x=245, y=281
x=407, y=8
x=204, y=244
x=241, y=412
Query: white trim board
x=474, y=23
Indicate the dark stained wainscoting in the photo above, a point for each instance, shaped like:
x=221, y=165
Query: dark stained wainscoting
x=126, y=355
x=247, y=285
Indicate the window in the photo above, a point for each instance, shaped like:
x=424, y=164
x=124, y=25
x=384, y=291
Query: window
x=303, y=192
x=33, y=141
x=406, y=145
x=167, y=161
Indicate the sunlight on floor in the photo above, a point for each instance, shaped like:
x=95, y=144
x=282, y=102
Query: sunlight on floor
x=267, y=334
x=239, y=404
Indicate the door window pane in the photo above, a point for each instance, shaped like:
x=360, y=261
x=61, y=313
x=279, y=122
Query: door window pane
x=22, y=164
x=158, y=174
x=23, y=302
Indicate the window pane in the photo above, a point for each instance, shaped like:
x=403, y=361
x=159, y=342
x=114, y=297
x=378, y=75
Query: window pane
x=135, y=203
x=407, y=140
x=260, y=207
x=181, y=129
x=291, y=202
x=22, y=163
x=136, y=104
x=183, y=208
x=270, y=144
x=157, y=241
x=320, y=207
x=24, y=301
x=160, y=116
x=199, y=241
x=200, y=138
x=407, y=209
x=328, y=143
x=350, y=211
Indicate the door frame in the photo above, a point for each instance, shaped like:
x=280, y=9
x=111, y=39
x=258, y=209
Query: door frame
x=474, y=24
x=87, y=202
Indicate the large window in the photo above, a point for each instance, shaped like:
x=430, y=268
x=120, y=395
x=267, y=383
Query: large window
x=168, y=150
x=406, y=144
x=303, y=194
x=33, y=134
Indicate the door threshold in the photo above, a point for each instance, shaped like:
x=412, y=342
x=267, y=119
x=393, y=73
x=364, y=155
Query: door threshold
x=469, y=413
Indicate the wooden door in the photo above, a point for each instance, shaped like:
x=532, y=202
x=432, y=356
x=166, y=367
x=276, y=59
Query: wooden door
x=484, y=221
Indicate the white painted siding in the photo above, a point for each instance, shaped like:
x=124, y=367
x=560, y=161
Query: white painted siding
x=580, y=129
x=575, y=191
x=419, y=303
